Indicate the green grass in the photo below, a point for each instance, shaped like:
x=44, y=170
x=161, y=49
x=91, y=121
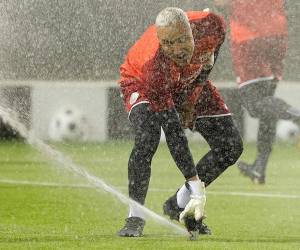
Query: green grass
x=36, y=216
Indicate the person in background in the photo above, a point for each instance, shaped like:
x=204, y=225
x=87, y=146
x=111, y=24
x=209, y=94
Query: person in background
x=258, y=44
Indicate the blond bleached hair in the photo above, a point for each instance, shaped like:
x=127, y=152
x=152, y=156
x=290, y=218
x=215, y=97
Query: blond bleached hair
x=170, y=16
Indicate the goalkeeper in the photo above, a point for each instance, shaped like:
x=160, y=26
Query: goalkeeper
x=159, y=64
x=168, y=58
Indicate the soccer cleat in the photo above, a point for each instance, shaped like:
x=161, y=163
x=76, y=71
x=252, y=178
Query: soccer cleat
x=133, y=227
x=194, y=227
x=248, y=170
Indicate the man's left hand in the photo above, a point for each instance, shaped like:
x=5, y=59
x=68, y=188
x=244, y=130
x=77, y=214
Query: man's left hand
x=210, y=62
x=195, y=207
x=187, y=115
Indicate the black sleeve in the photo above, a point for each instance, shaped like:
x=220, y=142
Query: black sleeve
x=179, y=98
x=204, y=74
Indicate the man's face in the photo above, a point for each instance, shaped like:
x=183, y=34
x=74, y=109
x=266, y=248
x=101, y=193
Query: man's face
x=177, y=42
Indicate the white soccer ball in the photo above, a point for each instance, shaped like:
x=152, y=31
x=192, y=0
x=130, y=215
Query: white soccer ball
x=68, y=124
x=287, y=131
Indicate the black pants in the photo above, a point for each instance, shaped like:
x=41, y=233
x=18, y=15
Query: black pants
x=259, y=100
x=225, y=143
x=147, y=128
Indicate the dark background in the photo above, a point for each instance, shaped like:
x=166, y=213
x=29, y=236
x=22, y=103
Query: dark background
x=88, y=39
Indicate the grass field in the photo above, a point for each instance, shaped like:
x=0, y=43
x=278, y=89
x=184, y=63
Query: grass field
x=44, y=206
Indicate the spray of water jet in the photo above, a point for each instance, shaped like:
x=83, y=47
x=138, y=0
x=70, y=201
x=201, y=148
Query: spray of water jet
x=66, y=162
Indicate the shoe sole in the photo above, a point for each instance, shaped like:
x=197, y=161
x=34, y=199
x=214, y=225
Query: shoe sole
x=130, y=235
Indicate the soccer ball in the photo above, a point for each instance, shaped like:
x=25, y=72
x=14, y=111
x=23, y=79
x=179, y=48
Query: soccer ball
x=68, y=124
x=287, y=131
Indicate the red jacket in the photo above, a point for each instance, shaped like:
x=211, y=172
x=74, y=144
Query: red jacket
x=252, y=19
x=154, y=76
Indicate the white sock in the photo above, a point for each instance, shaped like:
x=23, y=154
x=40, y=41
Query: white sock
x=134, y=211
x=183, y=196
x=196, y=187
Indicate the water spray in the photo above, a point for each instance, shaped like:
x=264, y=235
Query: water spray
x=64, y=161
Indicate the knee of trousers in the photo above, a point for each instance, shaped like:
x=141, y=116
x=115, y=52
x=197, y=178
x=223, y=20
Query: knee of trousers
x=268, y=108
x=231, y=151
x=254, y=110
x=145, y=145
x=139, y=171
x=254, y=107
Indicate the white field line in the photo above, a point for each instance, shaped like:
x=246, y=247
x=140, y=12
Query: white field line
x=59, y=185
x=67, y=163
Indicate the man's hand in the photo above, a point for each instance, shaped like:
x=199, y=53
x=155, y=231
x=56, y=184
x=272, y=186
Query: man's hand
x=205, y=57
x=195, y=207
x=187, y=114
x=210, y=62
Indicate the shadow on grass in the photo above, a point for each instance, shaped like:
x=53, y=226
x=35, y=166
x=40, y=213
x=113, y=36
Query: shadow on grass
x=147, y=237
x=53, y=238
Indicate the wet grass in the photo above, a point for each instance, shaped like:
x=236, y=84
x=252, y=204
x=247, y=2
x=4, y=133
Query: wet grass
x=35, y=214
